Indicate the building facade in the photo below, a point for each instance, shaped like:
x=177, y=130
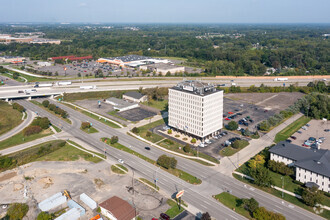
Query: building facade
x=163, y=68
x=311, y=165
x=195, y=108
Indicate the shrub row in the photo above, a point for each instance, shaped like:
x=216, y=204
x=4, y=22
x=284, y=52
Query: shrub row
x=18, y=107
x=55, y=109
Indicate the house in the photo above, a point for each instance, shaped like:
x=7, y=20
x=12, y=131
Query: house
x=311, y=165
x=135, y=97
x=116, y=208
x=121, y=105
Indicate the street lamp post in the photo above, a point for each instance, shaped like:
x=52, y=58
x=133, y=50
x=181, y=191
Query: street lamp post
x=156, y=179
x=282, y=187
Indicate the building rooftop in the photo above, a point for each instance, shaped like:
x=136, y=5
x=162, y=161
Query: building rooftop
x=120, y=208
x=119, y=103
x=317, y=161
x=135, y=95
x=164, y=66
x=129, y=58
x=196, y=87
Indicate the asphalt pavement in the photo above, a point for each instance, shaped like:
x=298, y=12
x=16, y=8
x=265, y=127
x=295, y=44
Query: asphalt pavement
x=198, y=196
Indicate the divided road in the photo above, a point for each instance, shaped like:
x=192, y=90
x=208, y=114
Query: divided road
x=199, y=196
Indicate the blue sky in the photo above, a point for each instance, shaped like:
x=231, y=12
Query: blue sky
x=166, y=11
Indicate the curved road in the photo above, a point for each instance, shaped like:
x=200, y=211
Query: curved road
x=198, y=196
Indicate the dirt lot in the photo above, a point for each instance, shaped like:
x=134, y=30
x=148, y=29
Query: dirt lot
x=316, y=130
x=136, y=114
x=96, y=180
x=269, y=101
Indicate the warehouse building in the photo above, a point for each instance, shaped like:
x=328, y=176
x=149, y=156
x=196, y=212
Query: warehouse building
x=135, y=97
x=121, y=105
x=12, y=59
x=132, y=61
x=163, y=68
x=311, y=165
x=195, y=108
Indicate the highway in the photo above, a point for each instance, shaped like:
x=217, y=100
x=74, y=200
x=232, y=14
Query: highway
x=198, y=196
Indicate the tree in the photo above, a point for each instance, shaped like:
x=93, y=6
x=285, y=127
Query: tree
x=45, y=103
x=206, y=216
x=44, y=216
x=250, y=204
x=17, y=211
x=262, y=176
x=114, y=139
x=312, y=196
x=136, y=130
x=187, y=148
x=193, y=141
x=169, y=131
x=257, y=161
x=262, y=213
x=15, y=75
x=148, y=134
x=32, y=129
x=232, y=125
x=41, y=122
x=167, y=162
x=79, y=74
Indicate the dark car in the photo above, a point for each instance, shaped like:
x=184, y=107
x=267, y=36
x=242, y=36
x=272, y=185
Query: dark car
x=251, y=120
x=293, y=137
x=164, y=216
x=245, y=123
x=238, y=113
x=289, y=141
x=147, y=148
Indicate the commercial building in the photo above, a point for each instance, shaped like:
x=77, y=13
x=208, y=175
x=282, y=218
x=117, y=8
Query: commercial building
x=116, y=208
x=196, y=108
x=163, y=68
x=45, y=41
x=311, y=165
x=132, y=61
x=44, y=64
x=135, y=97
x=12, y=59
x=121, y=105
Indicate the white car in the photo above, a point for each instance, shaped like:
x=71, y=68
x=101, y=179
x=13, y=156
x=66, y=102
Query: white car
x=120, y=161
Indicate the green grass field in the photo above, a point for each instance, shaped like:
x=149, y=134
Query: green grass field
x=233, y=202
x=9, y=117
x=19, y=138
x=117, y=170
x=291, y=129
x=161, y=105
x=90, y=130
x=174, y=209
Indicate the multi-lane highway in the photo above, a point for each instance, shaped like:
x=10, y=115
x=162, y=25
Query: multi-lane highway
x=197, y=196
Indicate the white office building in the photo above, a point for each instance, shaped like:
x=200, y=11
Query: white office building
x=195, y=108
x=311, y=165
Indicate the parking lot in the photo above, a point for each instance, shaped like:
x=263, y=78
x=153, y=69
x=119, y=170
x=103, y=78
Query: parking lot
x=136, y=114
x=316, y=130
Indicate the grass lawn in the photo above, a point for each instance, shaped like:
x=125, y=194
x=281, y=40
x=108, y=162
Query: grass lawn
x=174, y=58
x=229, y=151
x=11, y=76
x=48, y=110
x=19, y=138
x=32, y=78
x=117, y=170
x=71, y=97
x=174, y=209
x=288, y=198
x=291, y=129
x=149, y=183
x=172, y=145
x=9, y=117
x=109, y=123
x=69, y=153
x=56, y=128
x=233, y=202
x=89, y=130
x=161, y=105
x=176, y=172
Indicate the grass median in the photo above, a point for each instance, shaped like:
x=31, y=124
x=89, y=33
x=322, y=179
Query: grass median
x=291, y=129
x=90, y=130
x=48, y=110
x=175, y=209
x=233, y=202
x=115, y=169
x=104, y=121
x=176, y=172
x=229, y=151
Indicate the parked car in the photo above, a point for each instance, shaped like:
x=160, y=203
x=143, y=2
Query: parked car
x=312, y=139
x=238, y=113
x=326, y=130
x=287, y=140
x=266, y=111
x=147, y=148
x=299, y=132
x=250, y=120
x=245, y=123
x=164, y=216
x=322, y=138
x=293, y=137
x=307, y=125
x=304, y=127
x=120, y=161
x=227, y=119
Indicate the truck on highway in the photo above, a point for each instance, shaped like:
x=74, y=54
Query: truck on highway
x=87, y=87
x=43, y=85
x=64, y=83
x=281, y=79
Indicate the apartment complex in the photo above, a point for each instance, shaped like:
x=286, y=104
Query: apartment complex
x=195, y=108
x=311, y=165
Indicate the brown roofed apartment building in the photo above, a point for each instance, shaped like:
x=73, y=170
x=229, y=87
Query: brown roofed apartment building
x=116, y=208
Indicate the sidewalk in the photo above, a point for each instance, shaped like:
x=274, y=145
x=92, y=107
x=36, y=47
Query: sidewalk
x=229, y=164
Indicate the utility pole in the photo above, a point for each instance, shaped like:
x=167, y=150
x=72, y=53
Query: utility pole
x=156, y=179
x=282, y=187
